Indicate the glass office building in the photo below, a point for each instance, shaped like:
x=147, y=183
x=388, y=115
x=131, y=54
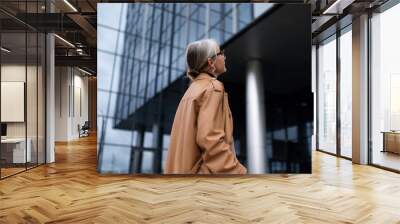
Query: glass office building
x=157, y=57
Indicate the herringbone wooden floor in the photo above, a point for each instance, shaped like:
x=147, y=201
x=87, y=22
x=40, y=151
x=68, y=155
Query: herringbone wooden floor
x=71, y=191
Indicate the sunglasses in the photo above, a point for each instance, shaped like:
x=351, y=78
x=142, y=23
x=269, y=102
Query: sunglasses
x=220, y=53
x=216, y=55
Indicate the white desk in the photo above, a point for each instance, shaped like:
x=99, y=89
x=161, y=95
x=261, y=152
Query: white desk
x=19, y=149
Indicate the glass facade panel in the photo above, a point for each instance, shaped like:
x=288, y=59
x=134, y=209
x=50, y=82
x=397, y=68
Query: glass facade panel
x=14, y=153
x=22, y=89
x=385, y=88
x=41, y=97
x=116, y=160
x=327, y=96
x=32, y=97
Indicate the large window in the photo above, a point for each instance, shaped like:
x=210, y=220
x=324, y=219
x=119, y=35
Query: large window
x=334, y=107
x=327, y=95
x=385, y=88
x=345, y=92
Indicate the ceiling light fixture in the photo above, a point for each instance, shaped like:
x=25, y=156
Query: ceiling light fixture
x=70, y=5
x=5, y=50
x=84, y=71
x=79, y=51
x=337, y=7
x=328, y=10
x=65, y=41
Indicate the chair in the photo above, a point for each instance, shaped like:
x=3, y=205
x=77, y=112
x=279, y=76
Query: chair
x=84, y=130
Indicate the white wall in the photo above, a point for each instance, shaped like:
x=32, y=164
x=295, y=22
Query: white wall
x=71, y=94
x=61, y=103
x=81, y=84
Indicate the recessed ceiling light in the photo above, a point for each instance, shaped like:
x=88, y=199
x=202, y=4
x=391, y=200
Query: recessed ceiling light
x=337, y=7
x=64, y=40
x=5, y=50
x=84, y=71
x=70, y=5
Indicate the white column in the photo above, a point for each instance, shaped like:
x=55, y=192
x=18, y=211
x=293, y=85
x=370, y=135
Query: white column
x=157, y=143
x=360, y=90
x=255, y=119
x=50, y=98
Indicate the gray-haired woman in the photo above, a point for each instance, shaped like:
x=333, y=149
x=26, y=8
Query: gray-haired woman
x=202, y=132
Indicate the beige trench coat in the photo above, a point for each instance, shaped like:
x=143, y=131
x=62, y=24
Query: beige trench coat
x=201, y=136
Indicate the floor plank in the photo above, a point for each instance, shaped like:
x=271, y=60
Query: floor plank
x=71, y=191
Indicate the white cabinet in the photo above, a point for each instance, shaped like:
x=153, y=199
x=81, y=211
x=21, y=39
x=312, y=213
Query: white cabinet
x=18, y=149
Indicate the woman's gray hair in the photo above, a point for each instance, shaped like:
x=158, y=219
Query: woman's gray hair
x=197, y=54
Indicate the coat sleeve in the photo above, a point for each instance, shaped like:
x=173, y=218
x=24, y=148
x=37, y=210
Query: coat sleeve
x=217, y=154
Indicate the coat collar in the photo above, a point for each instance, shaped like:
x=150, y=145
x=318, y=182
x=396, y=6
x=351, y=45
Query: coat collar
x=204, y=75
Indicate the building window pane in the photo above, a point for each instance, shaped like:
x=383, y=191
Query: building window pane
x=345, y=94
x=327, y=96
